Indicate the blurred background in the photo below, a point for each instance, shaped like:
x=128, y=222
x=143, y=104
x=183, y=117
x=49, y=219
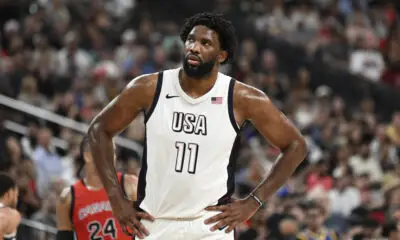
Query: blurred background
x=333, y=66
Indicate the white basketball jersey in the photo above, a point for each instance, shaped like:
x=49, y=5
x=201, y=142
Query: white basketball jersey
x=187, y=163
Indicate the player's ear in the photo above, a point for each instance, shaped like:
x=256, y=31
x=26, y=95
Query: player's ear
x=223, y=55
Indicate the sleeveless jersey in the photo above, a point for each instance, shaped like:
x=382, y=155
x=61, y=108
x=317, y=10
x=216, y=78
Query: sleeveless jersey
x=12, y=236
x=187, y=162
x=91, y=214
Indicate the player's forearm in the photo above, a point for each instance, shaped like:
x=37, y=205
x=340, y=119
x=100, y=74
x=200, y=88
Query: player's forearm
x=284, y=167
x=102, y=149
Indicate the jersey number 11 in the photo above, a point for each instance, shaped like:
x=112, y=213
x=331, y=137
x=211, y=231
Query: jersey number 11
x=193, y=149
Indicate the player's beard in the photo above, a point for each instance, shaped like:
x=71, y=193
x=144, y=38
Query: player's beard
x=199, y=71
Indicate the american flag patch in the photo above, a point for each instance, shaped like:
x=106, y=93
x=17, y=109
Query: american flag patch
x=216, y=100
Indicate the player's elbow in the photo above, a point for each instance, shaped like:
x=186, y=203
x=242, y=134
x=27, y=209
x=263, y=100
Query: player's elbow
x=95, y=131
x=301, y=146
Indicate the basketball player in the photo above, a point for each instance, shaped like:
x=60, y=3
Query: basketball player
x=9, y=217
x=84, y=207
x=193, y=117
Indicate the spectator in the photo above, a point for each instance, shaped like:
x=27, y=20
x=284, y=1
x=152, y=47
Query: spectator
x=46, y=215
x=320, y=177
x=29, y=92
x=29, y=141
x=315, y=217
x=126, y=52
x=363, y=162
x=72, y=60
x=344, y=197
x=393, y=130
x=47, y=162
x=367, y=61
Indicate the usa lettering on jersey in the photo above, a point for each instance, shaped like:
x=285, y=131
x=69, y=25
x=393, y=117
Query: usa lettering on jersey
x=189, y=123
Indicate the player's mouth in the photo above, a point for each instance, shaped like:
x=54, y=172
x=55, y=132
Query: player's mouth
x=193, y=60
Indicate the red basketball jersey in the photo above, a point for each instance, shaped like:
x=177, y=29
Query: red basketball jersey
x=91, y=214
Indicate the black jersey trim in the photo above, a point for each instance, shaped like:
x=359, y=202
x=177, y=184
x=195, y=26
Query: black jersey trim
x=156, y=97
x=71, y=209
x=230, y=105
x=142, y=175
x=231, y=169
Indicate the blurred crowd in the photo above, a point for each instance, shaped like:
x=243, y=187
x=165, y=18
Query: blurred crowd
x=72, y=58
x=361, y=36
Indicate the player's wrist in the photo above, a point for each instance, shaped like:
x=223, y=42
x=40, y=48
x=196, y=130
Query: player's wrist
x=254, y=201
x=116, y=199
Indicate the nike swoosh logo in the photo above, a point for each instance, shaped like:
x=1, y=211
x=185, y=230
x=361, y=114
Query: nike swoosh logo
x=168, y=96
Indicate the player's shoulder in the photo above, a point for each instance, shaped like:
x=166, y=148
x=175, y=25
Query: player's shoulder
x=144, y=81
x=10, y=213
x=243, y=90
x=245, y=95
x=142, y=88
x=11, y=217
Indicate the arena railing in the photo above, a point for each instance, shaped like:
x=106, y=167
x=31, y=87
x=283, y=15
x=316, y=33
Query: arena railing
x=34, y=230
x=21, y=129
x=63, y=121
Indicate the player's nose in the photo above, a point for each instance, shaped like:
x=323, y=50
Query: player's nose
x=194, y=48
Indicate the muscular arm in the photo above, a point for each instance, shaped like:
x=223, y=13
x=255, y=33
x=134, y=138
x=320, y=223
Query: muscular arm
x=130, y=185
x=114, y=118
x=63, y=208
x=252, y=104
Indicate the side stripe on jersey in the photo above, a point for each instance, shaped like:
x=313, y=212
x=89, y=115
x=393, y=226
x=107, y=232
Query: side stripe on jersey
x=156, y=97
x=142, y=175
x=143, y=171
x=230, y=185
x=71, y=209
x=231, y=169
x=230, y=106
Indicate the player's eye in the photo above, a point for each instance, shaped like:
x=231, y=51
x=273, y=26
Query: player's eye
x=206, y=43
x=190, y=39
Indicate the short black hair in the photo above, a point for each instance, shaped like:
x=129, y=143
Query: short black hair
x=6, y=183
x=216, y=22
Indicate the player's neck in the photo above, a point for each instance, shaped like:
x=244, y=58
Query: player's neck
x=197, y=87
x=93, y=181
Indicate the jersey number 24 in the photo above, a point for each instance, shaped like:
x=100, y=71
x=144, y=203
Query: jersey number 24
x=193, y=149
x=108, y=229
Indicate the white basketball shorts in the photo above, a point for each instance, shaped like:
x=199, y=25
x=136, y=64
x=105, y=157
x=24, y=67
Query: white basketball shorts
x=194, y=229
